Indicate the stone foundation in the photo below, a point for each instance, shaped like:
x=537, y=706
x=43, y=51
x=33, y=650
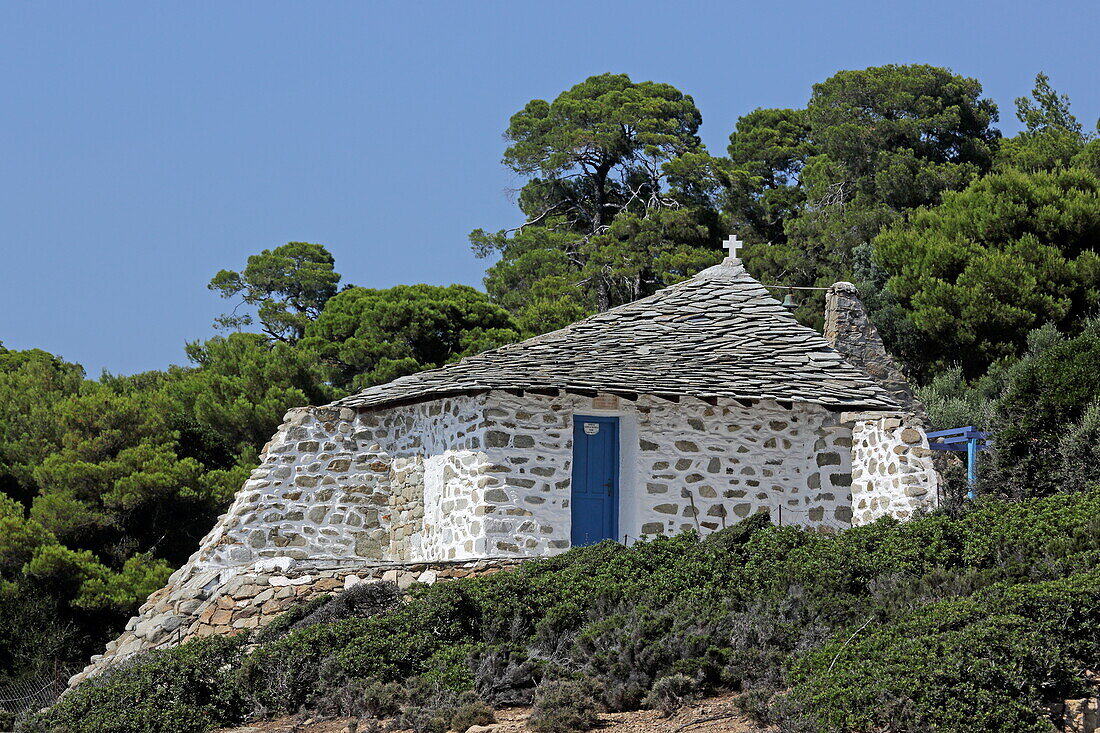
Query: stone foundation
x=232, y=601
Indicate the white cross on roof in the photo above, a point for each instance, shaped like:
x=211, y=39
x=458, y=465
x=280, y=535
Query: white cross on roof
x=733, y=244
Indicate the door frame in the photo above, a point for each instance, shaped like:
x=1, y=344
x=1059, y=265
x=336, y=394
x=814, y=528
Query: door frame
x=615, y=460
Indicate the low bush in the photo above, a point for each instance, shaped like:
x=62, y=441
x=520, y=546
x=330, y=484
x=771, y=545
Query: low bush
x=472, y=713
x=433, y=709
x=998, y=661
x=669, y=694
x=283, y=624
x=360, y=601
x=856, y=625
x=367, y=698
x=187, y=689
x=564, y=706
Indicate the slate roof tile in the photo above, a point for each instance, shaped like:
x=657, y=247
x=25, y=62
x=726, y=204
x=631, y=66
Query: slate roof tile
x=716, y=335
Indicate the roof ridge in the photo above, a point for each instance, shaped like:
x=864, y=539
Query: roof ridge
x=727, y=269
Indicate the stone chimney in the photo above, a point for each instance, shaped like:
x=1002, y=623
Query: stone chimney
x=849, y=330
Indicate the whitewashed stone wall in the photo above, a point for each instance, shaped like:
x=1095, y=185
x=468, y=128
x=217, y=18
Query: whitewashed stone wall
x=709, y=467
x=428, y=491
x=529, y=445
x=892, y=471
x=685, y=465
x=489, y=476
x=389, y=485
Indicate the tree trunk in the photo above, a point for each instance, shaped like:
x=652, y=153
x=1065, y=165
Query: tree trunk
x=603, y=297
x=600, y=177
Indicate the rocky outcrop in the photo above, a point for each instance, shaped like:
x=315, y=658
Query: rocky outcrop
x=1079, y=716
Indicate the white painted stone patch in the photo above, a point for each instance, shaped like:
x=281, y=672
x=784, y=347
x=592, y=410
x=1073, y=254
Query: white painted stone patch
x=892, y=471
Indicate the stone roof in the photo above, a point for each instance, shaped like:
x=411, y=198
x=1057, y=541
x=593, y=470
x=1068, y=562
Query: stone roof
x=718, y=335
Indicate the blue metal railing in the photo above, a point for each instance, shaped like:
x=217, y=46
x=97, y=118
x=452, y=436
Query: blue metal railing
x=968, y=439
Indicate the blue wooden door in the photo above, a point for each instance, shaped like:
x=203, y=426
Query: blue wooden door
x=595, y=495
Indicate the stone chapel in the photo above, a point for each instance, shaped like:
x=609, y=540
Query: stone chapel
x=688, y=410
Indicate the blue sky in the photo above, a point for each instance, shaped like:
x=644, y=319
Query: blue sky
x=147, y=145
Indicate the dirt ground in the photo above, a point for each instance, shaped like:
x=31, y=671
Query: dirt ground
x=712, y=715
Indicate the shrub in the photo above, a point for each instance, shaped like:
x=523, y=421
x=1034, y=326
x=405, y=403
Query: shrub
x=995, y=662
x=437, y=709
x=187, y=689
x=425, y=719
x=368, y=698
x=670, y=693
x=284, y=675
x=391, y=646
x=282, y=624
x=359, y=601
x=449, y=668
x=1080, y=452
x=380, y=700
x=472, y=713
x=505, y=676
x=563, y=706
x=1048, y=394
x=754, y=608
x=623, y=651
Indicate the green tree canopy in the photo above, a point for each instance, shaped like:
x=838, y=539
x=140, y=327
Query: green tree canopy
x=117, y=485
x=807, y=189
x=1052, y=137
x=617, y=201
x=610, y=135
x=288, y=287
x=370, y=336
x=31, y=383
x=107, y=484
x=1046, y=109
x=889, y=138
x=1013, y=251
x=242, y=387
x=767, y=152
x=1048, y=405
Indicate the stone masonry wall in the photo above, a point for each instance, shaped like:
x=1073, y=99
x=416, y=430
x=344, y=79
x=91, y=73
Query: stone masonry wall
x=342, y=484
x=892, y=471
x=849, y=329
x=707, y=467
x=469, y=484
x=684, y=465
